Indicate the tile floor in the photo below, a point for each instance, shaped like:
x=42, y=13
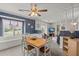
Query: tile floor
x=17, y=51
x=14, y=51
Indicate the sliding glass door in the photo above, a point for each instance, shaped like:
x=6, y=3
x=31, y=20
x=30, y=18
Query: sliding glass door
x=12, y=27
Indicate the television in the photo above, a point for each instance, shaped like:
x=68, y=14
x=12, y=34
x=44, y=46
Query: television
x=51, y=29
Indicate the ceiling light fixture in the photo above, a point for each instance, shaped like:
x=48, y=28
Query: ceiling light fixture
x=33, y=14
x=74, y=23
x=34, y=11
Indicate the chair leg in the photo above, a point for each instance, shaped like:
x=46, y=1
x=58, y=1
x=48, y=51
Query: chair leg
x=50, y=53
x=27, y=53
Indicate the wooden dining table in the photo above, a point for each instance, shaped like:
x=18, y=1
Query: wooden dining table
x=36, y=42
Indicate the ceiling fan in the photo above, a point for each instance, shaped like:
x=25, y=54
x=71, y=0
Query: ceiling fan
x=34, y=11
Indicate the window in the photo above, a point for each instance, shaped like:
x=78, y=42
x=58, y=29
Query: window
x=12, y=28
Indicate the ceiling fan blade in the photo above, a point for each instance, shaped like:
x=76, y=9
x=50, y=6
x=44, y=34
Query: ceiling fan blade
x=38, y=14
x=23, y=10
x=29, y=14
x=42, y=10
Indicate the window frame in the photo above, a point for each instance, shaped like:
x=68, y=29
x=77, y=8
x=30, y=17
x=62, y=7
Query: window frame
x=13, y=31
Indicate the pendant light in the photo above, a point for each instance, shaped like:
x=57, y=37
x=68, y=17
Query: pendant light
x=10, y=24
x=17, y=24
x=74, y=23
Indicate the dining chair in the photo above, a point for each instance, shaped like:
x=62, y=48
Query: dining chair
x=46, y=50
x=27, y=49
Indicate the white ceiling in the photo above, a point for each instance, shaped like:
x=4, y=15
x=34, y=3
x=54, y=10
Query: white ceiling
x=55, y=10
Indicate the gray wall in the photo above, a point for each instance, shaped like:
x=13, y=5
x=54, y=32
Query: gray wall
x=30, y=28
x=1, y=27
